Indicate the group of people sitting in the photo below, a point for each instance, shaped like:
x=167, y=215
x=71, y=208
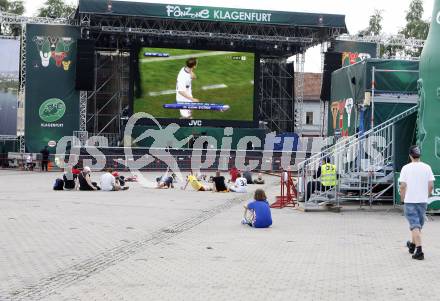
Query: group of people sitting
x=257, y=212
x=218, y=184
x=238, y=182
x=75, y=179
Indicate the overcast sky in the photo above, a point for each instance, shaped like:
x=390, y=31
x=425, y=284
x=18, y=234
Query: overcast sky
x=357, y=12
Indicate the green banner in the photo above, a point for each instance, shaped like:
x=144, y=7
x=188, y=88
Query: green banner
x=206, y=13
x=52, y=103
x=348, y=89
x=428, y=127
x=354, y=52
x=434, y=200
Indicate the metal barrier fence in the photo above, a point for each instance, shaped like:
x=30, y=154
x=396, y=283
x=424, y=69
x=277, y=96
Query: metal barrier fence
x=174, y=159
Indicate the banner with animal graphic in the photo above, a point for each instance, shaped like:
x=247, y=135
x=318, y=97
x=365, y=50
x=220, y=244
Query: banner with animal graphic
x=52, y=103
x=354, y=52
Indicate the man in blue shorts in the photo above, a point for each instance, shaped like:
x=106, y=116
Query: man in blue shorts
x=416, y=184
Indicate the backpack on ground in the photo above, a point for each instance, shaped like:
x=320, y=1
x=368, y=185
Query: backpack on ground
x=59, y=184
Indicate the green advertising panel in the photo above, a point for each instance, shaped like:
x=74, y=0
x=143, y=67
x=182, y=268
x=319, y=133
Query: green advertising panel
x=433, y=201
x=207, y=13
x=429, y=84
x=354, y=52
x=350, y=83
x=52, y=103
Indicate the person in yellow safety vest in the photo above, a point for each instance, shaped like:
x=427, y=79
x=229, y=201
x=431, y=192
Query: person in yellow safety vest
x=328, y=174
x=327, y=178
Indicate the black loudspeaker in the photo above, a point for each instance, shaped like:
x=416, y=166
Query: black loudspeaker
x=332, y=62
x=85, y=68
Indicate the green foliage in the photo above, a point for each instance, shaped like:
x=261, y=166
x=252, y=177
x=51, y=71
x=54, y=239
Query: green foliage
x=14, y=7
x=415, y=26
x=375, y=24
x=56, y=9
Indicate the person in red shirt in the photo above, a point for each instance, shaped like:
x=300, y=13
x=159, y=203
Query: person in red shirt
x=75, y=170
x=233, y=173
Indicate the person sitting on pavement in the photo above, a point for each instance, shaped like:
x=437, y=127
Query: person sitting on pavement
x=259, y=180
x=219, y=183
x=30, y=162
x=85, y=180
x=75, y=170
x=233, y=173
x=119, y=178
x=248, y=176
x=166, y=181
x=69, y=178
x=324, y=179
x=240, y=185
x=257, y=213
x=109, y=183
x=195, y=183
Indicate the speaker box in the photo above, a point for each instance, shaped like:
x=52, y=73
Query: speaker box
x=332, y=62
x=85, y=67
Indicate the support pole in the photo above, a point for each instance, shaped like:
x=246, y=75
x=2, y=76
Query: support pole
x=373, y=88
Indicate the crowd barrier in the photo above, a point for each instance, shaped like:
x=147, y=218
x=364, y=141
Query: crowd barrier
x=158, y=160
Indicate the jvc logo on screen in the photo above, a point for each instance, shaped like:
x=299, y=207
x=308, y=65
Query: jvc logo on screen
x=195, y=123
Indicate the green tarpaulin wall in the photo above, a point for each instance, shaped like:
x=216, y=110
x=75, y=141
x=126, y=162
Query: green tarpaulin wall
x=353, y=81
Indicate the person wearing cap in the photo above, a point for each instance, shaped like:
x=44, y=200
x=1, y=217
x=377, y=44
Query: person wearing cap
x=109, y=182
x=85, y=181
x=259, y=180
x=416, y=185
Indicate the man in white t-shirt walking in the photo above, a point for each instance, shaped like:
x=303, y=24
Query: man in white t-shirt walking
x=416, y=184
x=184, y=86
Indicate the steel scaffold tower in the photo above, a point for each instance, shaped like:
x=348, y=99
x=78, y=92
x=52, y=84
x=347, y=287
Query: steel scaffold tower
x=299, y=91
x=276, y=105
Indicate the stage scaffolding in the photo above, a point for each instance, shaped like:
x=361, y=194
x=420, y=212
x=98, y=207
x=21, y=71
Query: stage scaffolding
x=109, y=98
x=276, y=99
x=276, y=94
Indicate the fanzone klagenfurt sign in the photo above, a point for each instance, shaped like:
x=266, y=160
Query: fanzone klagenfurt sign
x=178, y=11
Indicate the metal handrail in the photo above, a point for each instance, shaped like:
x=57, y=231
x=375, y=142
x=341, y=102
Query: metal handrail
x=353, y=139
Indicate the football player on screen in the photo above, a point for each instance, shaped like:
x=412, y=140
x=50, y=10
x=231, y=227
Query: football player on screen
x=184, y=86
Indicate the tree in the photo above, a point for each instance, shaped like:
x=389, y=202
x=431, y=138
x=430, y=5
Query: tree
x=14, y=7
x=56, y=9
x=415, y=27
x=374, y=25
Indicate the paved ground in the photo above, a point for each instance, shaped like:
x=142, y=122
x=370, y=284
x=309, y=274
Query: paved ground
x=145, y=244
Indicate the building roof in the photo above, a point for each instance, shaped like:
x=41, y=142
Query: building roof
x=312, y=86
